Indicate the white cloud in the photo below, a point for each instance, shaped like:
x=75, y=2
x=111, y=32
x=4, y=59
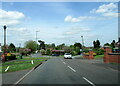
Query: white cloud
x=108, y=10
x=81, y=18
x=10, y=17
x=76, y=30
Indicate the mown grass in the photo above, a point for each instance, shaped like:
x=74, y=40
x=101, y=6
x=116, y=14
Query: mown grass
x=98, y=56
x=21, y=64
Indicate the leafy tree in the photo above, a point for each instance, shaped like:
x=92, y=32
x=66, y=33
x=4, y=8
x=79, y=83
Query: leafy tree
x=42, y=51
x=77, y=49
x=106, y=44
x=78, y=45
x=42, y=44
x=60, y=47
x=113, y=44
x=48, y=52
x=11, y=48
x=31, y=45
x=53, y=45
x=98, y=43
x=67, y=49
x=94, y=43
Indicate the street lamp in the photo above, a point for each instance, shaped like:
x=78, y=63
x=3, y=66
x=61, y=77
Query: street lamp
x=82, y=41
x=36, y=40
x=4, y=38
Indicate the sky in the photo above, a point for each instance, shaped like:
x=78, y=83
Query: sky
x=59, y=22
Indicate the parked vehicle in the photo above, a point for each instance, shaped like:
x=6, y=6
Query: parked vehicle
x=55, y=54
x=67, y=56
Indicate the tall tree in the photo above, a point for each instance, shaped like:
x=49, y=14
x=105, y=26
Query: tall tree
x=42, y=44
x=98, y=43
x=94, y=43
x=106, y=44
x=53, y=45
x=31, y=45
x=78, y=45
x=11, y=47
x=113, y=44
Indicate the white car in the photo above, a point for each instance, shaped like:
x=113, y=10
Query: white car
x=67, y=56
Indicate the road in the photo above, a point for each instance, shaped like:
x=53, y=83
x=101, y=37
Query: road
x=70, y=71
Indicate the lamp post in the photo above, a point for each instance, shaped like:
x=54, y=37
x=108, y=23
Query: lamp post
x=4, y=52
x=4, y=38
x=36, y=41
x=82, y=41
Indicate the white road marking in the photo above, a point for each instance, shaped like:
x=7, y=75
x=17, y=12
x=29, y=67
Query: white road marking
x=64, y=63
x=7, y=69
x=72, y=69
x=61, y=60
x=22, y=77
x=88, y=81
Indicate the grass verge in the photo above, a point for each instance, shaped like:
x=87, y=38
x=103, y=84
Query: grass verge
x=21, y=64
x=98, y=56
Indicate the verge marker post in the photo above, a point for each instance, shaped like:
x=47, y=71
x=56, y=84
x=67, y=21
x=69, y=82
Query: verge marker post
x=7, y=69
x=32, y=61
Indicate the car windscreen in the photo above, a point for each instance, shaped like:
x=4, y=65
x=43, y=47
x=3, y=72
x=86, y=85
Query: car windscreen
x=67, y=54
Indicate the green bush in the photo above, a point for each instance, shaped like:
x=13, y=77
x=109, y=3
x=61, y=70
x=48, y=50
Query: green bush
x=85, y=50
x=11, y=57
x=47, y=52
x=99, y=51
x=74, y=53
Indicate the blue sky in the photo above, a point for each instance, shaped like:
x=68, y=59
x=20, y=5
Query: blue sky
x=59, y=22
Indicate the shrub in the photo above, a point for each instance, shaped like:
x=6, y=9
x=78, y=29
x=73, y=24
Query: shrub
x=74, y=53
x=10, y=56
x=99, y=51
x=85, y=50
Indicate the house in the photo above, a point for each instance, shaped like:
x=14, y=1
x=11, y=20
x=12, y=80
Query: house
x=59, y=52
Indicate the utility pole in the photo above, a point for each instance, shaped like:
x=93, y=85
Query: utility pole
x=36, y=40
x=19, y=45
x=82, y=41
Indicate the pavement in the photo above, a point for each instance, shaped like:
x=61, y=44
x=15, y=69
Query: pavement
x=67, y=71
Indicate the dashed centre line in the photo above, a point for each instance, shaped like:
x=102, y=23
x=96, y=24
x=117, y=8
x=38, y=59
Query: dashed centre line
x=64, y=63
x=72, y=69
x=88, y=81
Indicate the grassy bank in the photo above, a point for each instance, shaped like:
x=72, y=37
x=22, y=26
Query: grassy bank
x=21, y=64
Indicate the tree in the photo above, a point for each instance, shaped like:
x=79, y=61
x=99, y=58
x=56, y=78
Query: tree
x=113, y=44
x=94, y=44
x=42, y=44
x=53, y=45
x=106, y=44
x=11, y=48
x=48, y=52
x=98, y=43
x=78, y=45
x=60, y=47
x=31, y=45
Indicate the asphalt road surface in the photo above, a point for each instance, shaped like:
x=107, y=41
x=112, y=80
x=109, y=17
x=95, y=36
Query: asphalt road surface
x=70, y=71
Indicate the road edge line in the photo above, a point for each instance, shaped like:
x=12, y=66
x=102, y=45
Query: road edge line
x=27, y=74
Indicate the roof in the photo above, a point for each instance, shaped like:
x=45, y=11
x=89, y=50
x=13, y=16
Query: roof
x=58, y=50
